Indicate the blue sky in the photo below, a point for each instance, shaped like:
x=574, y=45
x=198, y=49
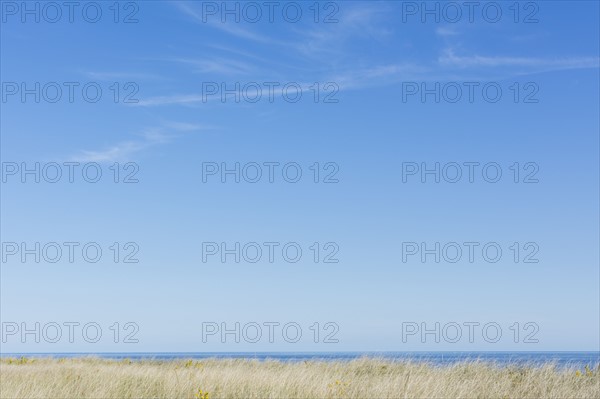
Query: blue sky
x=366, y=62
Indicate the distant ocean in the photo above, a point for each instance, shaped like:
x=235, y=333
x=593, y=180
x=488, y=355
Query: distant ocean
x=561, y=359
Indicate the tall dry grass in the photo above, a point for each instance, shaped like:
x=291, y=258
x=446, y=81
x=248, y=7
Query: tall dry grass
x=364, y=378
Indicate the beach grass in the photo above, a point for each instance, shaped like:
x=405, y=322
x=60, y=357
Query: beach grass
x=241, y=378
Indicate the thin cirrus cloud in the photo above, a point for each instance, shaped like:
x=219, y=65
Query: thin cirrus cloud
x=310, y=45
x=178, y=99
x=446, y=31
x=361, y=20
x=109, y=76
x=450, y=59
x=218, y=65
x=127, y=150
x=195, y=99
x=323, y=49
x=352, y=79
x=381, y=75
x=353, y=21
x=228, y=28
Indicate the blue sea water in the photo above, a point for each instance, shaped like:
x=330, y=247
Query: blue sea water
x=561, y=359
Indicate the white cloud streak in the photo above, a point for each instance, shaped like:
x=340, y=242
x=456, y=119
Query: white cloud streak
x=476, y=61
x=127, y=150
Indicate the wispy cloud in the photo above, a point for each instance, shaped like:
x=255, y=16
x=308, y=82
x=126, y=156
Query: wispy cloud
x=110, y=76
x=328, y=53
x=446, y=31
x=347, y=22
x=472, y=61
x=128, y=149
x=381, y=75
x=348, y=79
x=260, y=62
x=354, y=21
x=230, y=28
x=218, y=65
x=317, y=50
x=120, y=152
x=196, y=99
x=178, y=99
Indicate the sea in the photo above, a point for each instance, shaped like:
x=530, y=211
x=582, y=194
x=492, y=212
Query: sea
x=575, y=360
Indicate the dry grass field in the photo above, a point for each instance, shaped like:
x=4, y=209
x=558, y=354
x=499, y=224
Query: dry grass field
x=211, y=379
